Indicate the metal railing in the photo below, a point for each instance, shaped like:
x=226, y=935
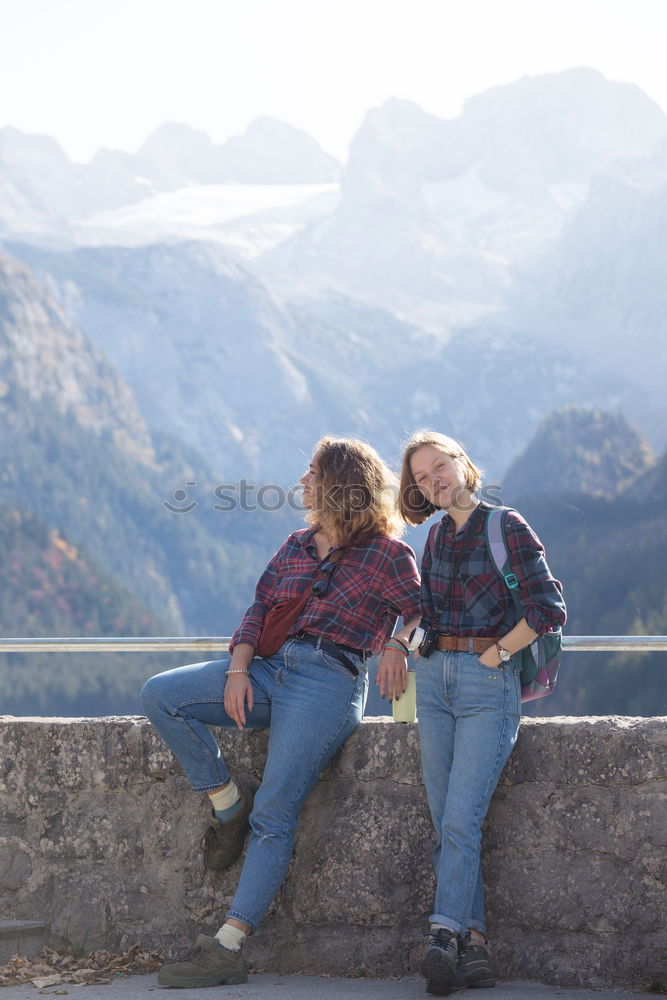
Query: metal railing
x=131, y=644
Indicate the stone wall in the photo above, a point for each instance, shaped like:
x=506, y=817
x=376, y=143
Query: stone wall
x=99, y=835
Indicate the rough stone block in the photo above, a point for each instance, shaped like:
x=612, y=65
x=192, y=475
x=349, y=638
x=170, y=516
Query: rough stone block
x=21, y=937
x=105, y=848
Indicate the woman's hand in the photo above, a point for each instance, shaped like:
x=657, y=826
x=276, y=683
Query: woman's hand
x=238, y=693
x=515, y=640
x=392, y=675
x=490, y=657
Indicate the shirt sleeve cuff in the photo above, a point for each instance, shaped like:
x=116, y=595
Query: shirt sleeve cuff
x=538, y=621
x=249, y=635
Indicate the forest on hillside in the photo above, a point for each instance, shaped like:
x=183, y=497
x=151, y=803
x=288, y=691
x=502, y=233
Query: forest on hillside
x=610, y=554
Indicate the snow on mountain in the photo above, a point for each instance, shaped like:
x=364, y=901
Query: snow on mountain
x=437, y=215
x=44, y=192
x=535, y=218
x=249, y=218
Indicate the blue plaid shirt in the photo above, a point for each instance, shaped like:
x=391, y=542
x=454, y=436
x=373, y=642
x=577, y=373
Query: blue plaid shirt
x=480, y=603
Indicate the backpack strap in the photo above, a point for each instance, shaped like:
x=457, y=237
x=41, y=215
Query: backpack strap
x=540, y=659
x=496, y=540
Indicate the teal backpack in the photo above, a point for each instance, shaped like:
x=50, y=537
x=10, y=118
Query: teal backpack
x=540, y=660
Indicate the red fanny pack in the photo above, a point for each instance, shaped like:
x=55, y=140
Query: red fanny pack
x=279, y=619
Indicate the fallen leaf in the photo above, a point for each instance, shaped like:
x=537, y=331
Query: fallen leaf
x=45, y=981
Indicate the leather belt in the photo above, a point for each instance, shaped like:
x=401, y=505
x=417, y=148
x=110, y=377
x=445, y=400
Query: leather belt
x=465, y=644
x=335, y=649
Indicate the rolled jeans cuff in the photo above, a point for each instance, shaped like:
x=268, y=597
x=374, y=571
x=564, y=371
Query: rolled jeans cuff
x=451, y=925
x=211, y=788
x=237, y=915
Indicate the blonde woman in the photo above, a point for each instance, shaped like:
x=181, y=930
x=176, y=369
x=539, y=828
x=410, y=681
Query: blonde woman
x=310, y=693
x=468, y=685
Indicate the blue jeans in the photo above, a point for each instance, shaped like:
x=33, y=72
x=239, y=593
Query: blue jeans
x=468, y=724
x=310, y=703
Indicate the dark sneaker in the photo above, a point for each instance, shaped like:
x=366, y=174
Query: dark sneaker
x=223, y=842
x=207, y=964
x=440, y=963
x=475, y=964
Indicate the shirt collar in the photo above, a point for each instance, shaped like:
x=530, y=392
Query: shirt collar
x=305, y=539
x=449, y=525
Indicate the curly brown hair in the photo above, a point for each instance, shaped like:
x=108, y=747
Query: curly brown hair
x=413, y=506
x=355, y=492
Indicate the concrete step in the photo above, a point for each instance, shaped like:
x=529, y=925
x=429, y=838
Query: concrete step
x=22, y=937
x=268, y=987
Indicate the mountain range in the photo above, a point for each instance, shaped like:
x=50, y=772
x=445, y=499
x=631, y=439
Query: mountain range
x=77, y=455
x=531, y=227
x=598, y=503
x=43, y=193
x=193, y=316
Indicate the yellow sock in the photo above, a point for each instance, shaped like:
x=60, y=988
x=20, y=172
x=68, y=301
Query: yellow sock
x=224, y=800
x=231, y=937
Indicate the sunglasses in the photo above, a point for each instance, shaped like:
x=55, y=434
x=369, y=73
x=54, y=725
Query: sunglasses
x=320, y=587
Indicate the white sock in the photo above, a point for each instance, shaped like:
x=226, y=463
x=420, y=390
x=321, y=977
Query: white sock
x=231, y=937
x=225, y=798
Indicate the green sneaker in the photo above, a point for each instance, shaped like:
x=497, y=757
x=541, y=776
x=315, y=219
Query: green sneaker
x=222, y=843
x=475, y=964
x=207, y=964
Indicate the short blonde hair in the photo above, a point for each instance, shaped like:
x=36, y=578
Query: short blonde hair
x=413, y=506
x=355, y=492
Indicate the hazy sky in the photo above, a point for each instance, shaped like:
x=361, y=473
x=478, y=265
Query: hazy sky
x=107, y=72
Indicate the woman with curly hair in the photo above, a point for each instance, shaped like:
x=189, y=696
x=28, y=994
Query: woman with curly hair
x=357, y=578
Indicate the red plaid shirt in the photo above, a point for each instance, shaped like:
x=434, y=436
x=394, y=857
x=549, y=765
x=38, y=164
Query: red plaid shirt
x=370, y=587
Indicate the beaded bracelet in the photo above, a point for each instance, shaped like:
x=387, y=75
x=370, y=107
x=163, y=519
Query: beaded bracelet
x=400, y=649
x=236, y=670
x=395, y=638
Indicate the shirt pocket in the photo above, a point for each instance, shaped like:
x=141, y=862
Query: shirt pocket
x=349, y=590
x=291, y=585
x=345, y=595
